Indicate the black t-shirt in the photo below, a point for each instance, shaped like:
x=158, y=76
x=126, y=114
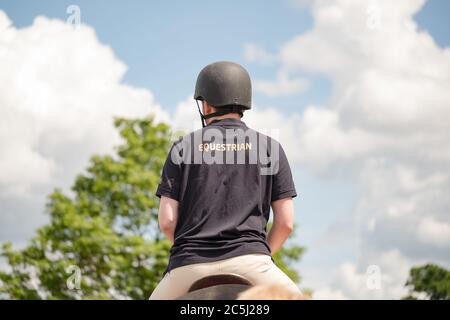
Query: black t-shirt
x=225, y=177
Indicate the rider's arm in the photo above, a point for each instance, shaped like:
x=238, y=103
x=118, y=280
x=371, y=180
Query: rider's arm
x=283, y=190
x=168, y=216
x=283, y=223
x=168, y=190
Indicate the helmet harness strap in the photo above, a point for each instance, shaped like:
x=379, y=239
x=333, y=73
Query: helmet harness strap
x=202, y=117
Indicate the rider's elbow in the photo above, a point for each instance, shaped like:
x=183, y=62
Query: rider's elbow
x=288, y=227
x=284, y=223
x=166, y=225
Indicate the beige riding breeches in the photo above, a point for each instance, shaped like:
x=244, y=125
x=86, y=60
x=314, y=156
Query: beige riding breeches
x=258, y=268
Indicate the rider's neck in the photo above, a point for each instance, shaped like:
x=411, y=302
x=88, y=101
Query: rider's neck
x=225, y=116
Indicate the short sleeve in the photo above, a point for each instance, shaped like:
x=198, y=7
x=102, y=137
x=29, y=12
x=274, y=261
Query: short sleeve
x=282, y=182
x=170, y=182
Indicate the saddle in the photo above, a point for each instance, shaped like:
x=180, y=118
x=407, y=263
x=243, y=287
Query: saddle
x=225, y=286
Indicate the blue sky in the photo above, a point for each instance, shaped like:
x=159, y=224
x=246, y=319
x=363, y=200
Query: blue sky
x=166, y=43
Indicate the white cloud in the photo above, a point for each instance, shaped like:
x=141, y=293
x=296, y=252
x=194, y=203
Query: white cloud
x=383, y=278
x=328, y=294
x=59, y=91
x=186, y=116
x=385, y=128
x=55, y=95
x=434, y=232
x=254, y=53
x=284, y=85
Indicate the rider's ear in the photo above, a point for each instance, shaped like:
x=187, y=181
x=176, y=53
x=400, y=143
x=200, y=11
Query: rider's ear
x=207, y=108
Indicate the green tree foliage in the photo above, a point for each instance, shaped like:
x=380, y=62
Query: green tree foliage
x=429, y=281
x=107, y=232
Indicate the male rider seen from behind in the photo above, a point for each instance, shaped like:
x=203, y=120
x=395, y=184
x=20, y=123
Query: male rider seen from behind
x=217, y=187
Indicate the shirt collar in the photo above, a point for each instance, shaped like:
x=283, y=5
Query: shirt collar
x=228, y=122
